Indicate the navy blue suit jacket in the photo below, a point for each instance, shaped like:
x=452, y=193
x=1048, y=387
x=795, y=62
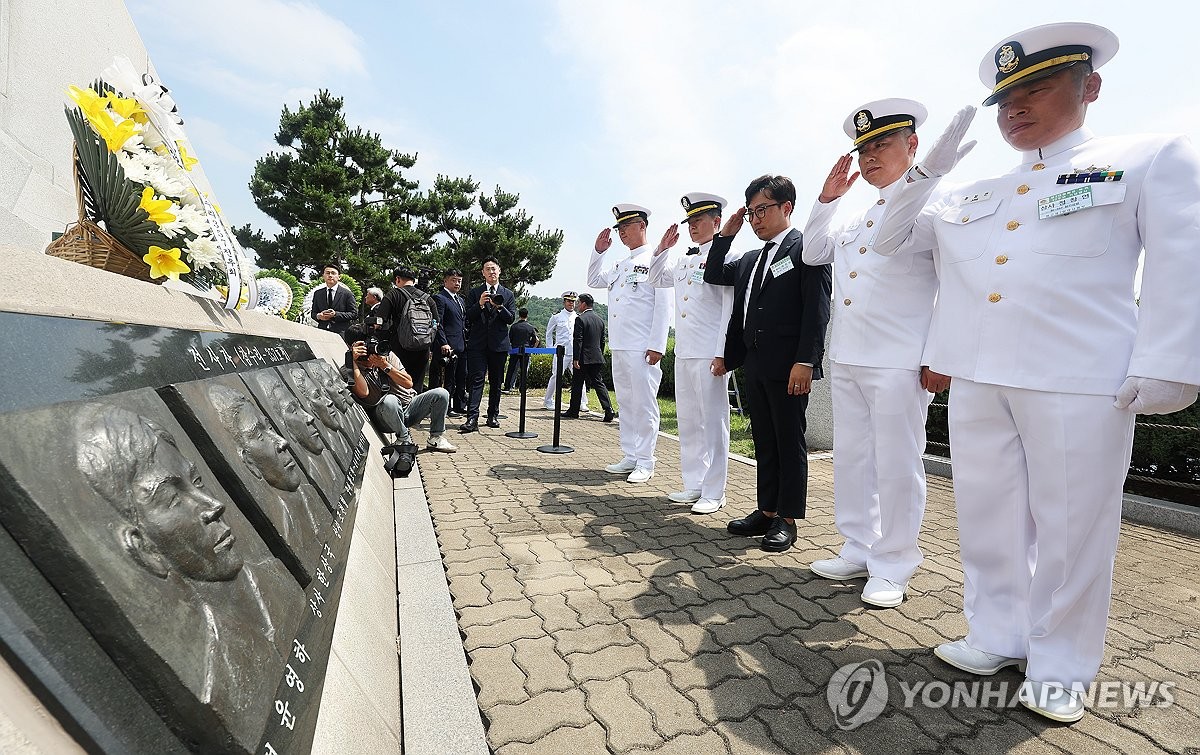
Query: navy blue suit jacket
x=487, y=326
x=452, y=323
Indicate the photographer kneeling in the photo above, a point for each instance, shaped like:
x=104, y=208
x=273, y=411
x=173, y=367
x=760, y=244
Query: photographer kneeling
x=382, y=386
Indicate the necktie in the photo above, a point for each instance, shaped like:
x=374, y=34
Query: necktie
x=748, y=333
x=693, y=250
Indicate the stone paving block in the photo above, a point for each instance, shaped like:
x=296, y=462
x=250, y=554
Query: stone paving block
x=795, y=733
x=556, y=614
x=589, y=639
x=693, y=744
x=461, y=568
x=495, y=612
x=488, y=553
x=544, y=668
x=594, y=574
x=660, y=644
x=748, y=737
x=451, y=540
x=500, y=680
x=546, y=570
x=468, y=590
x=705, y=670
x=733, y=699
x=673, y=714
x=609, y=662
x=536, y=717
x=691, y=634
x=579, y=741
x=628, y=724
x=502, y=584
x=497, y=635
x=722, y=610
x=590, y=608
x=742, y=631
x=554, y=585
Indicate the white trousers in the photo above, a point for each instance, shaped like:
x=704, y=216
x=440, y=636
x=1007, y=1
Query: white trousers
x=636, y=383
x=1037, y=479
x=878, y=477
x=702, y=407
x=548, y=401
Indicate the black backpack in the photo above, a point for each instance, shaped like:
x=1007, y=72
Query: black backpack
x=417, y=324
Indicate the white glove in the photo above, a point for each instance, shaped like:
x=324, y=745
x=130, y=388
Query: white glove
x=1149, y=396
x=945, y=153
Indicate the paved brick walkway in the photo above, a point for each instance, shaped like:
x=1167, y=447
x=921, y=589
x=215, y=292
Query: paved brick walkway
x=600, y=617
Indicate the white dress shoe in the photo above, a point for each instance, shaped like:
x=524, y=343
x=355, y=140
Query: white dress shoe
x=708, y=505
x=684, y=496
x=837, y=568
x=621, y=467
x=640, y=474
x=1051, y=700
x=884, y=592
x=960, y=655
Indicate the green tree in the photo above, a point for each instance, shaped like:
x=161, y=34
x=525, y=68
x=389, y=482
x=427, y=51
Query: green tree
x=471, y=225
x=337, y=194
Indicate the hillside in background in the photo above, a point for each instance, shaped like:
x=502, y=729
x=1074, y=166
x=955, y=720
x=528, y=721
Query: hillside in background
x=542, y=309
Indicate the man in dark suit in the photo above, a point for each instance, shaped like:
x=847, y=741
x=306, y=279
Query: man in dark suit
x=449, y=367
x=777, y=331
x=520, y=334
x=490, y=310
x=333, y=304
x=588, y=364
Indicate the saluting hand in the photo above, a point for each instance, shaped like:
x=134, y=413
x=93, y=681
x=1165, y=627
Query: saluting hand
x=733, y=225
x=669, y=239
x=839, y=181
x=604, y=240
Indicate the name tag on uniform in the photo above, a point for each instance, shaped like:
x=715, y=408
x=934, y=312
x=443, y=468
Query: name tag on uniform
x=697, y=276
x=1065, y=203
x=638, y=274
x=782, y=266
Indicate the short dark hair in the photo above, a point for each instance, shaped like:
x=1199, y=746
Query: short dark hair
x=334, y=265
x=405, y=272
x=355, y=333
x=587, y=299
x=779, y=188
x=453, y=272
x=488, y=259
x=523, y=313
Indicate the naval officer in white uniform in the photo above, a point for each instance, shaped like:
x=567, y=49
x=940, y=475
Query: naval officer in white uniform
x=1050, y=353
x=560, y=331
x=701, y=382
x=881, y=312
x=639, y=316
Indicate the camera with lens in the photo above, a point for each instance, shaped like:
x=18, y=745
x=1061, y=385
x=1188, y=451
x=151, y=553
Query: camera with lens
x=377, y=336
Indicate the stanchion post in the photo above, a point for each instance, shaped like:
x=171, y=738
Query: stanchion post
x=521, y=374
x=556, y=448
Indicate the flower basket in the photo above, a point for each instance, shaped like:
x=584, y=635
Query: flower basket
x=87, y=243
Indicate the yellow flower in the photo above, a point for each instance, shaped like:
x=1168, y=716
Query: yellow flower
x=157, y=209
x=113, y=134
x=188, y=160
x=125, y=107
x=87, y=99
x=165, y=262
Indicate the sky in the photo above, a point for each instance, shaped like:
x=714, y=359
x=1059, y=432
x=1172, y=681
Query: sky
x=577, y=106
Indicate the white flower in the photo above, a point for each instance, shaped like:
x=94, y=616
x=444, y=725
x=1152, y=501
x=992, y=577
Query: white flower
x=192, y=219
x=134, y=166
x=203, y=252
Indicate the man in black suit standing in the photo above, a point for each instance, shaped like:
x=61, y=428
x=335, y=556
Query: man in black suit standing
x=777, y=331
x=520, y=334
x=333, y=304
x=449, y=367
x=490, y=310
x=588, y=365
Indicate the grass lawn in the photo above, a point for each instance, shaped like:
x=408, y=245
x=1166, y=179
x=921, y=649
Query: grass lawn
x=739, y=428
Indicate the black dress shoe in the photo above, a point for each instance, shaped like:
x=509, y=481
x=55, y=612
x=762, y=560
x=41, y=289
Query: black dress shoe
x=469, y=427
x=492, y=422
x=608, y=417
x=780, y=537
x=757, y=523
x=454, y=413
x=569, y=415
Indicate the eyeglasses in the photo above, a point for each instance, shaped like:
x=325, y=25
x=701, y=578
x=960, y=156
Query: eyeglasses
x=758, y=212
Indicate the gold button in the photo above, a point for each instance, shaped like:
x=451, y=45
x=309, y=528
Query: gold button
x=880, y=201
x=846, y=302
x=683, y=314
x=1023, y=189
x=1039, y=166
x=993, y=298
x=689, y=283
x=965, y=218
x=870, y=223
x=685, y=298
x=1002, y=259
x=862, y=250
x=1013, y=225
x=853, y=274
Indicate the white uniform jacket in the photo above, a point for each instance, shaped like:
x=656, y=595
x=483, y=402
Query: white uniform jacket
x=639, y=315
x=560, y=331
x=701, y=309
x=1047, y=303
x=881, y=305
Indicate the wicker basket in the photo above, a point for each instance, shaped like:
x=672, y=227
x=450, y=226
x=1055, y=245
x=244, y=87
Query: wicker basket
x=87, y=243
